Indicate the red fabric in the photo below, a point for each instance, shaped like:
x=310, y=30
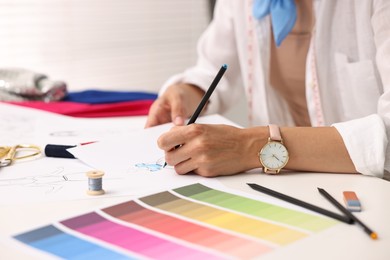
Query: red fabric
x=130, y=108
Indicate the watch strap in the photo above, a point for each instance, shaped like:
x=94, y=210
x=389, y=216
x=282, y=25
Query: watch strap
x=274, y=133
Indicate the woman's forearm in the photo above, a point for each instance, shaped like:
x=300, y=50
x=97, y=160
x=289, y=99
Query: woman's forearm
x=314, y=149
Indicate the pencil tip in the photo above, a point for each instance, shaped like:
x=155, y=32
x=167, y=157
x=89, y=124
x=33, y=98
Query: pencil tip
x=225, y=66
x=374, y=236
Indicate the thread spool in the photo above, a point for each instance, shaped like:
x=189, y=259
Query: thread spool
x=95, y=183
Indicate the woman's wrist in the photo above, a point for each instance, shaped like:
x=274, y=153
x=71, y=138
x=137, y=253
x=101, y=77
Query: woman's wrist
x=255, y=138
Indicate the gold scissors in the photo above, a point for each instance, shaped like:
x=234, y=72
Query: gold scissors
x=8, y=154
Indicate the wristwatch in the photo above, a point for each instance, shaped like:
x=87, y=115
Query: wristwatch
x=274, y=155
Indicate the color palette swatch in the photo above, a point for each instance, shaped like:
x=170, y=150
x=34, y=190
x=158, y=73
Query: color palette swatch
x=191, y=222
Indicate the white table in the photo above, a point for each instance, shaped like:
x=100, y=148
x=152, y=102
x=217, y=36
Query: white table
x=343, y=242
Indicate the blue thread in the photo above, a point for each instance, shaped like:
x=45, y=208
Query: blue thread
x=95, y=184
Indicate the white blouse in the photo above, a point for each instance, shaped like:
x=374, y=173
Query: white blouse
x=347, y=72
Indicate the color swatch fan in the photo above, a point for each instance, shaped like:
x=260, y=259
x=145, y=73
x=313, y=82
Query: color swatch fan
x=190, y=222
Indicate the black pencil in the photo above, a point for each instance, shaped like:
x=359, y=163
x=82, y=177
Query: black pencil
x=205, y=98
x=332, y=200
x=207, y=95
x=300, y=203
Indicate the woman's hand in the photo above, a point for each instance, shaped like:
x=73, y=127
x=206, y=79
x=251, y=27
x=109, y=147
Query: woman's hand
x=211, y=150
x=177, y=103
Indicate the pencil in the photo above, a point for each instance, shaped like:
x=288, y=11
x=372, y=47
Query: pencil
x=205, y=98
x=207, y=95
x=332, y=200
x=301, y=203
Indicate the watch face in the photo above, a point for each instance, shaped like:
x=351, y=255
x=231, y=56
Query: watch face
x=274, y=155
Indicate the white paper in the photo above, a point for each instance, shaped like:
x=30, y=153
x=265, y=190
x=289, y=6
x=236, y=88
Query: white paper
x=125, y=151
x=27, y=125
x=128, y=153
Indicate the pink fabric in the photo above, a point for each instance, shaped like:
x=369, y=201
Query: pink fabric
x=130, y=108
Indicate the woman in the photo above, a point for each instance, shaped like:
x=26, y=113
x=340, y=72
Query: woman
x=327, y=86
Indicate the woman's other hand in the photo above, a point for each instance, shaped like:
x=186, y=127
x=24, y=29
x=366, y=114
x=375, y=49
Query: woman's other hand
x=176, y=104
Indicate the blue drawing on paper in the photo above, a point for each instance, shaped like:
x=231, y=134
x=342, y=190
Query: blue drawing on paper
x=152, y=167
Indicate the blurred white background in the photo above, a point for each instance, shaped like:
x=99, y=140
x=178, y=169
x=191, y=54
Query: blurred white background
x=100, y=44
x=117, y=44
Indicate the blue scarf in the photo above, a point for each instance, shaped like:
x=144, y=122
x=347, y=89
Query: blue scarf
x=283, y=16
